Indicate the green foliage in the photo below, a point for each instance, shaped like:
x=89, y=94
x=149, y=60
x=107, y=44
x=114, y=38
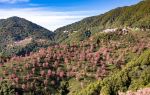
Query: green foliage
x=75, y=37
x=64, y=88
x=133, y=77
x=92, y=89
x=6, y=88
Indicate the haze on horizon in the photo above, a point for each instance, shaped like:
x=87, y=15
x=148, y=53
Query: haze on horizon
x=53, y=14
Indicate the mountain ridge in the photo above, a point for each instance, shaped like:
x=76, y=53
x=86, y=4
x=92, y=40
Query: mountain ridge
x=129, y=16
x=15, y=29
x=23, y=24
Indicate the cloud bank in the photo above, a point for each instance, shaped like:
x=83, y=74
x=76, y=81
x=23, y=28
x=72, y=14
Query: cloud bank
x=46, y=18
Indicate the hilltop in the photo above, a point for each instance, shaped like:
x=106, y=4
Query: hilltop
x=15, y=29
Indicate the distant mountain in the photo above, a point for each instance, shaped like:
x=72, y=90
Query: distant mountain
x=14, y=30
x=137, y=15
x=18, y=29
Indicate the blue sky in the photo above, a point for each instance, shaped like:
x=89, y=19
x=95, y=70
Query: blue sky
x=52, y=14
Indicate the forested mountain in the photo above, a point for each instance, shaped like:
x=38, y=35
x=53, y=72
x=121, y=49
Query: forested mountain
x=18, y=29
x=137, y=15
x=16, y=33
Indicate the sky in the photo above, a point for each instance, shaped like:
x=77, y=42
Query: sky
x=53, y=14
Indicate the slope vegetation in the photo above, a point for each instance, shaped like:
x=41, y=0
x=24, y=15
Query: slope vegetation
x=133, y=76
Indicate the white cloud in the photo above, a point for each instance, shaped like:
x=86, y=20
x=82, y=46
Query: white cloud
x=13, y=1
x=46, y=18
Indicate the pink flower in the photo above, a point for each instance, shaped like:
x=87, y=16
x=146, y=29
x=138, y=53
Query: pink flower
x=61, y=74
x=49, y=72
x=42, y=73
x=24, y=86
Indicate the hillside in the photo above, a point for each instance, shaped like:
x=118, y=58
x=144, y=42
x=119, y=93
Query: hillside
x=69, y=69
x=15, y=29
x=134, y=76
x=135, y=16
